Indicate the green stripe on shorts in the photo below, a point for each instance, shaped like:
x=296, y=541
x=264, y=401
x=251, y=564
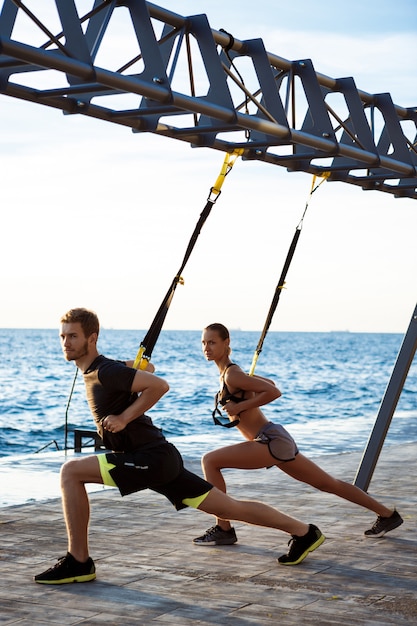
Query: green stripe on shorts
x=105, y=468
x=195, y=502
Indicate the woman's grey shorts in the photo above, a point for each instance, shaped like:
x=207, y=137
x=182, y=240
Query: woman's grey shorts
x=279, y=441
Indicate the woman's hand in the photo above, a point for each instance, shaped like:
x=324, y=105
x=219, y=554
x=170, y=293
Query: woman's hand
x=231, y=408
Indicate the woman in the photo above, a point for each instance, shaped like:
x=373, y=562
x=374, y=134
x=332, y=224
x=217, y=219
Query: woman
x=268, y=444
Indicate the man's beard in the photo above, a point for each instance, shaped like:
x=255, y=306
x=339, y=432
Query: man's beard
x=74, y=356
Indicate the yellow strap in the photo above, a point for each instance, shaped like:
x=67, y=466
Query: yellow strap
x=140, y=362
x=324, y=176
x=254, y=362
x=143, y=363
x=313, y=184
x=229, y=161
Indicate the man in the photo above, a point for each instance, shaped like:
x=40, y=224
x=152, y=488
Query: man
x=142, y=458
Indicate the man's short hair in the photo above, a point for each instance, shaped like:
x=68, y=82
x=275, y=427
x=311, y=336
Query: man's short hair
x=88, y=320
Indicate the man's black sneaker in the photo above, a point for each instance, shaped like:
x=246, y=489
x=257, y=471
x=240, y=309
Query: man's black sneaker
x=68, y=570
x=216, y=536
x=301, y=546
x=384, y=525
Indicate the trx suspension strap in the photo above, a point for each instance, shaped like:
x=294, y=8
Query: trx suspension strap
x=145, y=350
x=281, y=282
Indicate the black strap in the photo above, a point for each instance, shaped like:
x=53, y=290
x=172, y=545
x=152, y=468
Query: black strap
x=218, y=417
x=231, y=43
x=152, y=335
x=281, y=282
x=278, y=289
x=147, y=345
x=275, y=299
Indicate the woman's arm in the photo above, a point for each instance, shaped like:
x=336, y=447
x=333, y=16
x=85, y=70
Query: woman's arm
x=271, y=382
x=260, y=391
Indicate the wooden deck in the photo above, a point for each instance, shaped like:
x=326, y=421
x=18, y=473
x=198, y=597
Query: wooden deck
x=149, y=572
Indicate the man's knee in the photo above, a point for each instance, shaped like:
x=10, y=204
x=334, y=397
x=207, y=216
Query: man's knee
x=81, y=470
x=68, y=469
x=209, y=460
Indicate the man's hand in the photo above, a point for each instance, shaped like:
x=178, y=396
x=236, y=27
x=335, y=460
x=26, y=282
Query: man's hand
x=114, y=423
x=150, y=367
x=150, y=389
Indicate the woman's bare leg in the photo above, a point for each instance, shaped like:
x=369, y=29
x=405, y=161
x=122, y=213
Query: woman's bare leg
x=306, y=471
x=245, y=455
x=253, y=455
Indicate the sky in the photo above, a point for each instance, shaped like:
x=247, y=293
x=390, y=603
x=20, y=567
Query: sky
x=97, y=216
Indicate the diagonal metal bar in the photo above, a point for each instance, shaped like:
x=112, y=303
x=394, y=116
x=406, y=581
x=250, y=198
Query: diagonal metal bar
x=388, y=405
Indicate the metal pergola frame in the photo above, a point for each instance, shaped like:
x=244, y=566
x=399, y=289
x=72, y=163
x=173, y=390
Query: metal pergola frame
x=274, y=110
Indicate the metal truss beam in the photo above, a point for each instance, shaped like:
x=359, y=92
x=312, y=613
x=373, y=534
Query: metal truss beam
x=179, y=78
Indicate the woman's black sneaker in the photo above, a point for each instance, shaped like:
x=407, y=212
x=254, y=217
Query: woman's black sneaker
x=68, y=570
x=384, y=525
x=300, y=547
x=216, y=536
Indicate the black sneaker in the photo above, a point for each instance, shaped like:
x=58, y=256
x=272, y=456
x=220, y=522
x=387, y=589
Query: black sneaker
x=301, y=546
x=216, y=536
x=68, y=570
x=384, y=525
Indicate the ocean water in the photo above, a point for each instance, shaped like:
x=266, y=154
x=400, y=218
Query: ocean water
x=331, y=383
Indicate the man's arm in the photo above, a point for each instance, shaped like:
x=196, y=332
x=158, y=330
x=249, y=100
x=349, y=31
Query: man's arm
x=150, y=389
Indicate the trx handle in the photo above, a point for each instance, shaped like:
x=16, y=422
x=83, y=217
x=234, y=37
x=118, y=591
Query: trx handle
x=146, y=347
x=281, y=283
